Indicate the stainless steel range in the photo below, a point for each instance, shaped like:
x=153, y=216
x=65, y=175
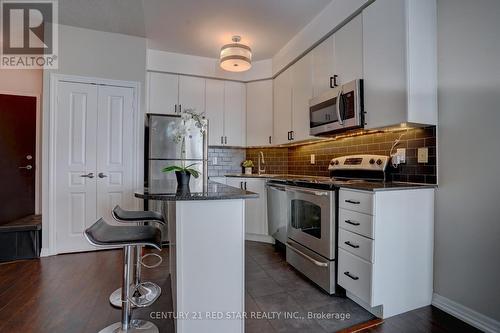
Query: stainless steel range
x=311, y=210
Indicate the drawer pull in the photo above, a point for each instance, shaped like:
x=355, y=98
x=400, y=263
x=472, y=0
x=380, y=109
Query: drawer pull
x=352, y=222
x=305, y=256
x=353, y=202
x=351, y=244
x=351, y=276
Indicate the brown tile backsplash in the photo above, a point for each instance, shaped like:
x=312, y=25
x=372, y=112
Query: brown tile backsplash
x=228, y=161
x=296, y=159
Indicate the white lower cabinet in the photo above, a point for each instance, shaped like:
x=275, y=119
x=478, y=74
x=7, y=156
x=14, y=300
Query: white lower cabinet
x=385, y=255
x=255, y=209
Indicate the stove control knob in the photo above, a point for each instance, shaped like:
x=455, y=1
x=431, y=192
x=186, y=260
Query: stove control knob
x=379, y=161
x=336, y=162
x=372, y=161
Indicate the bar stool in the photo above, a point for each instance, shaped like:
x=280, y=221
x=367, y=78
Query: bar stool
x=147, y=290
x=103, y=235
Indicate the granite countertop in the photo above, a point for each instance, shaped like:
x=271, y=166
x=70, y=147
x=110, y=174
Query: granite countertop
x=355, y=185
x=167, y=190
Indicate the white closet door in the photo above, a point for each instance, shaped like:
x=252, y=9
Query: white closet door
x=76, y=141
x=115, y=139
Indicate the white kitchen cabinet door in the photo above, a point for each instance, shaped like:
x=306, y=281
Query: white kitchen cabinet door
x=255, y=209
x=214, y=104
x=399, y=63
x=235, y=182
x=302, y=90
x=163, y=92
x=114, y=154
x=234, y=113
x=192, y=93
x=282, y=111
x=349, y=51
x=75, y=183
x=323, y=65
x=259, y=113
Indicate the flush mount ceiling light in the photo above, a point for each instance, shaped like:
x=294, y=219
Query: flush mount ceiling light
x=235, y=57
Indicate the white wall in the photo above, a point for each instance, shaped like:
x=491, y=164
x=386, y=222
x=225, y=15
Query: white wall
x=91, y=53
x=467, y=234
x=170, y=62
x=328, y=20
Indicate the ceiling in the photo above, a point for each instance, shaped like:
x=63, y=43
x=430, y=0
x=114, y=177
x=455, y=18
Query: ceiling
x=197, y=27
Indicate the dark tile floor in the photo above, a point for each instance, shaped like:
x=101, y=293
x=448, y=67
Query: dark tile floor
x=275, y=288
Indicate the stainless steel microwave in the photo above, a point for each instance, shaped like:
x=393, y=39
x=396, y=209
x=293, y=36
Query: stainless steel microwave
x=339, y=109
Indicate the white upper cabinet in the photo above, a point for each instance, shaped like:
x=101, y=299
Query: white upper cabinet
x=348, y=51
x=163, y=92
x=323, y=65
x=192, y=93
x=400, y=63
x=214, y=105
x=282, y=124
x=234, y=113
x=302, y=90
x=259, y=113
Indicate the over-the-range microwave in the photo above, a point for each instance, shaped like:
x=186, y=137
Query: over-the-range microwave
x=339, y=109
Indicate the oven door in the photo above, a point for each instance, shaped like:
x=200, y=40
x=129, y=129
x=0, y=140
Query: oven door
x=311, y=217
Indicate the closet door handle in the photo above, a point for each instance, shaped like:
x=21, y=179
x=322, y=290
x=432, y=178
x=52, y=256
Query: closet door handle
x=101, y=175
x=89, y=175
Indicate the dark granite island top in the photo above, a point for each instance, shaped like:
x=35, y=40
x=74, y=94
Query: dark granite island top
x=167, y=190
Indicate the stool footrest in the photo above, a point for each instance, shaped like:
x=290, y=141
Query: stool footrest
x=144, y=294
x=160, y=260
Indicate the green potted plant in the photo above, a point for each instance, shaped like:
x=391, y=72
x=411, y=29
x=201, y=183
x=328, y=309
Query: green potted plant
x=247, y=165
x=178, y=132
x=183, y=173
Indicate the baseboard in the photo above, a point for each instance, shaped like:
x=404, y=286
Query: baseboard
x=45, y=252
x=466, y=314
x=259, y=238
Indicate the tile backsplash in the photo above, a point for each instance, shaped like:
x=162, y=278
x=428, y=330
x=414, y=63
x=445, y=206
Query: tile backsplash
x=228, y=161
x=296, y=159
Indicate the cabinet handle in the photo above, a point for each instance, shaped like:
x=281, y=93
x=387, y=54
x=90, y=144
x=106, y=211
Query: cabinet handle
x=225, y=140
x=221, y=140
x=175, y=108
x=292, y=135
x=245, y=185
x=353, y=202
x=241, y=185
x=180, y=108
x=351, y=276
x=351, y=222
x=270, y=140
x=351, y=244
x=288, y=135
x=333, y=81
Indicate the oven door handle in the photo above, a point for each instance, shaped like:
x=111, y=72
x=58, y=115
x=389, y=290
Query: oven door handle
x=276, y=187
x=305, y=256
x=318, y=193
x=337, y=107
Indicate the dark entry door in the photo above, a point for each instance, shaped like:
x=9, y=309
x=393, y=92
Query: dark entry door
x=17, y=156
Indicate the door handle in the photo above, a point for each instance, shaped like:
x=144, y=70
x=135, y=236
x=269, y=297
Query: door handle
x=28, y=167
x=351, y=244
x=305, y=256
x=351, y=222
x=351, y=276
x=101, y=175
x=89, y=175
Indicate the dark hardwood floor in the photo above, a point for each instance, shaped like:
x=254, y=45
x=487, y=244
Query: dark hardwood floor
x=69, y=294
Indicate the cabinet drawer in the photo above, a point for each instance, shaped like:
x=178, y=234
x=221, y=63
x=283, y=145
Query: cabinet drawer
x=355, y=275
x=357, y=201
x=356, y=222
x=356, y=244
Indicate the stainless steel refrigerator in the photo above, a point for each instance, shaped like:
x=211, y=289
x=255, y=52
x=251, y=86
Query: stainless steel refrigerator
x=161, y=151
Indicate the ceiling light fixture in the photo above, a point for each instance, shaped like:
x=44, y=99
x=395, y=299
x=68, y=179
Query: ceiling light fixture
x=235, y=57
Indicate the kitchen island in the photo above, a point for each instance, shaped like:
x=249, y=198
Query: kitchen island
x=206, y=228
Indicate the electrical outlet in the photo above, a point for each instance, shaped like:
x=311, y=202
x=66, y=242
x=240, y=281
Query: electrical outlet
x=423, y=155
x=401, y=153
x=215, y=160
x=313, y=159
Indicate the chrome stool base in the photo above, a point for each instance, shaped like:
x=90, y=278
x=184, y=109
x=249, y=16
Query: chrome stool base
x=136, y=326
x=145, y=294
